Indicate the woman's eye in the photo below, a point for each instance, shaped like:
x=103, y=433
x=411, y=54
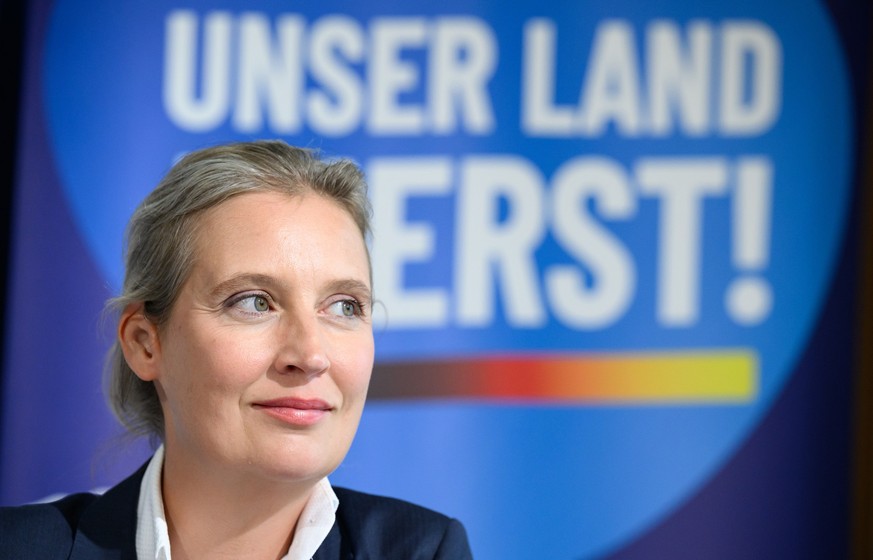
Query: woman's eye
x=254, y=304
x=346, y=308
x=260, y=304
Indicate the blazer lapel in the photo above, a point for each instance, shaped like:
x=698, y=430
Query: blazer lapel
x=336, y=545
x=107, y=528
x=331, y=547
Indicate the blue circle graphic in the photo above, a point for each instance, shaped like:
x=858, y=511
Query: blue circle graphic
x=561, y=480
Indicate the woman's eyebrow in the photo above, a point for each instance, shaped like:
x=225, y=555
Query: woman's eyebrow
x=350, y=285
x=251, y=280
x=244, y=281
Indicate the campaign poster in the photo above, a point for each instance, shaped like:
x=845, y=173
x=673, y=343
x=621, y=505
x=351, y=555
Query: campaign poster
x=605, y=238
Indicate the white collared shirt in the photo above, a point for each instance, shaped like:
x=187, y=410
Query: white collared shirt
x=153, y=537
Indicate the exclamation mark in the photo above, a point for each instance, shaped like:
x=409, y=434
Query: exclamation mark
x=749, y=297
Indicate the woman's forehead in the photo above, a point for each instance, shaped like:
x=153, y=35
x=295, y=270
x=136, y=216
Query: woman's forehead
x=270, y=229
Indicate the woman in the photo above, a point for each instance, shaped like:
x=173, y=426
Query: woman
x=245, y=347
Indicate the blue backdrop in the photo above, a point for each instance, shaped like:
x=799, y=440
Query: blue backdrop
x=612, y=244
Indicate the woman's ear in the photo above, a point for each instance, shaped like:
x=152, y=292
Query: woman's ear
x=139, y=341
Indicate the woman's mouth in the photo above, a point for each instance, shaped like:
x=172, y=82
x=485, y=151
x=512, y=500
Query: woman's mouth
x=294, y=411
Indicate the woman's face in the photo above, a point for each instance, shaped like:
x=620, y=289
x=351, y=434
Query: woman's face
x=266, y=357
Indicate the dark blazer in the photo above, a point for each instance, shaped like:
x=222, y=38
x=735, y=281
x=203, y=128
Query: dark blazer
x=86, y=527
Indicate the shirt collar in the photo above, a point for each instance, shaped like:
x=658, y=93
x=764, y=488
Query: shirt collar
x=153, y=538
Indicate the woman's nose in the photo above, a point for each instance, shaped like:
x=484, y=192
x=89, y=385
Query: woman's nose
x=302, y=348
